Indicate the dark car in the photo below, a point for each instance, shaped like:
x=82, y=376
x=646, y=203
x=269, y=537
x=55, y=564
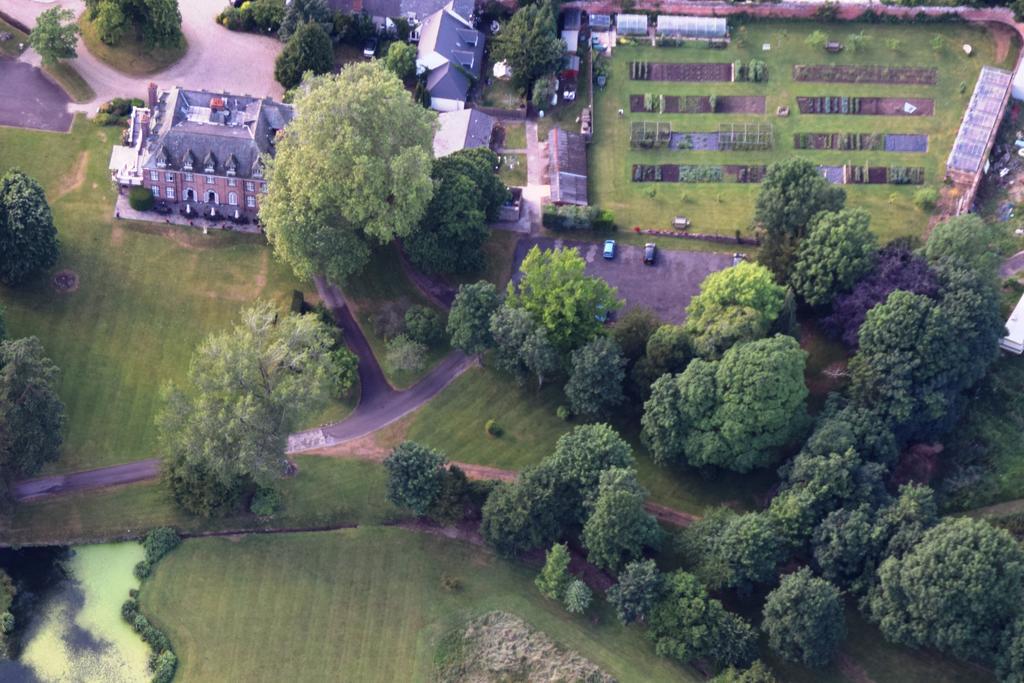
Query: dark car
x=650, y=253
x=370, y=48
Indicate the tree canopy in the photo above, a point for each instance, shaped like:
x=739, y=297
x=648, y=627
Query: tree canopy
x=619, y=528
x=300, y=12
x=159, y=21
x=735, y=413
x=838, y=251
x=640, y=586
x=247, y=389
x=55, y=36
x=560, y=297
x=28, y=237
x=804, y=620
x=530, y=44
x=352, y=168
x=415, y=476
x=401, y=59
x=792, y=193
x=469, y=321
x=965, y=241
x=596, y=379
x=554, y=577
x=522, y=347
x=308, y=50
x=581, y=456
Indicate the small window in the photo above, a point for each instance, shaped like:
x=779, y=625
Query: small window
x=250, y=201
x=188, y=177
x=263, y=188
x=232, y=199
x=154, y=176
x=250, y=186
x=169, y=177
x=232, y=182
x=209, y=180
x=156, y=191
x=169, y=191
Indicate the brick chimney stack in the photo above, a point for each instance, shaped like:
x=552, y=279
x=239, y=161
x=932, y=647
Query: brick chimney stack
x=151, y=101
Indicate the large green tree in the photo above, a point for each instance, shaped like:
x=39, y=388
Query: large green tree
x=579, y=459
x=554, y=576
x=792, y=193
x=956, y=591
x=966, y=241
x=28, y=237
x=158, y=21
x=308, y=50
x=735, y=305
x=467, y=194
x=247, y=389
x=469, y=322
x=31, y=413
x=619, y=528
x=352, y=168
x=530, y=44
x=803, y=618
x=401, y=59
x=55, y=35
x=736, y=413
x=596, y=378
x=557, y=293
x=524, y=515
x=300, y=12
x=639, y=588
x=415, y=476
x=522, y=347
x=838, y=251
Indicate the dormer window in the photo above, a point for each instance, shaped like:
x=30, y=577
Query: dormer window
x=257, y=169
x=231, y=165
x=188, y=161
x=210, y=163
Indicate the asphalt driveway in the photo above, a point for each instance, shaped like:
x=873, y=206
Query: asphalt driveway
x=666, y=287
x=31, y=100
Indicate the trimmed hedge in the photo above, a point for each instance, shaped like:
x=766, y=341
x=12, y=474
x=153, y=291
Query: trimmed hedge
x=564, y=218
x=141, y=198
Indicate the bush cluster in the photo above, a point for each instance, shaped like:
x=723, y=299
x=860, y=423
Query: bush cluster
x=141, y=198
x=561, y=218
x=256, y=16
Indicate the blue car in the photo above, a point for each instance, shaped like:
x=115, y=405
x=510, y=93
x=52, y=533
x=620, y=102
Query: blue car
x=609, y=249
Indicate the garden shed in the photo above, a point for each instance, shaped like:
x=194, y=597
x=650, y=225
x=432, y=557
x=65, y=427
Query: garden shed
x=692, y=27
x=631, y=24
x=600, y=22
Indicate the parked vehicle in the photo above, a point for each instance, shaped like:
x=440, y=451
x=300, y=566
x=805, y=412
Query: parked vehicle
x=370, y=48
x=650, y=253
x=162, y=208
x=609, y=249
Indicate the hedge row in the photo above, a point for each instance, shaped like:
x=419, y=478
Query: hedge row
x=566, y=218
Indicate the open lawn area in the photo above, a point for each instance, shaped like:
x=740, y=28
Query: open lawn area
x=367, y=602
x=726, y=207
x=513, y=169
x=130, y=56
x=148, y=294
x=10, y=47
x=324, y=492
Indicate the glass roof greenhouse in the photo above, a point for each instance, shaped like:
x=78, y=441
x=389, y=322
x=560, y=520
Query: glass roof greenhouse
x=981, y=120
x=631, y=24
x=694, y=27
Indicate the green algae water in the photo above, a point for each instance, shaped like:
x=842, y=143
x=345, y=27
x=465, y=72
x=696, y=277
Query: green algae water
x=79, y=634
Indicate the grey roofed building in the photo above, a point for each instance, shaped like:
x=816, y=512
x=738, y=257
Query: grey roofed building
x=416, y=10
x=451, y=51
x=567, y=157
x=218, y=133
x=463, y=129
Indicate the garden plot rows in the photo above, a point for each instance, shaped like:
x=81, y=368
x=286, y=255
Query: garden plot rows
x=866, y=73
x=867, y=106
x=697, y=104
x=691, y=173
x=850, y=174
x=873, y=142
x=680, y=73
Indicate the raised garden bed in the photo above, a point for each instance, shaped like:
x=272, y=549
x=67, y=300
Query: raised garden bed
x=866, y=73
x=697, y=142
x=680, y=73
x=697, y=104
x=866, y=106
x=690, y=173
x=873, y=175
x=854, y=142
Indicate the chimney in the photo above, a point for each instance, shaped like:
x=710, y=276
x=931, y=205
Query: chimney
x=151, y=102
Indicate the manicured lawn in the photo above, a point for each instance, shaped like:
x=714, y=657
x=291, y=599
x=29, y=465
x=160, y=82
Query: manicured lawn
x=381, y=287
x=515, y=136
x=726, y=207
x=326, y=491
x=499, y=93
x=513, y=169
x=74, y=85
x=10, y=47
x=454, y=423
x=366, y=602
x=148, y=295
x=131, y=56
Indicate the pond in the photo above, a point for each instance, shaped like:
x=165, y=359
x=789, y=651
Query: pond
x=76, y=632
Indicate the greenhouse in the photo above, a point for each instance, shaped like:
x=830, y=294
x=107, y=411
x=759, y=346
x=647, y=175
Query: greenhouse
x=692, y=27
x=631, y=24
x=981, y=120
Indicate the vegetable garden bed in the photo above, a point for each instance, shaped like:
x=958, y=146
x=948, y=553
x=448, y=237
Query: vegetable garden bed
x=873, y=175
x=866, y=106
x=689, y=173
x=680, y=73
x=854, y=142
x=697, y=104
x=866, y=73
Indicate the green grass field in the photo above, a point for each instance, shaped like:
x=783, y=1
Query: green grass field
x=366, y=602
x=326, y=491
x=515, y=136
x=725, y=207
x=10, y=47
x=513, y=169
x=148, y=294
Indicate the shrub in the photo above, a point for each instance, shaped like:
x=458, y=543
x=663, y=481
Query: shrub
x=142, y=570
x=164, y=666
x=926, y=198
x=159, y=542
x=404, y=353
x=424, y=325
x=265, y=502
x=560, y=218
x=577, y=597
x=563, y=413
x=298, y=301
x=141, y=198
x=6, y=623
x=493, y=428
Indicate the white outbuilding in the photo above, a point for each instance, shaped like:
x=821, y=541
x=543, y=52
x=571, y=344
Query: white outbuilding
x=1014, y=340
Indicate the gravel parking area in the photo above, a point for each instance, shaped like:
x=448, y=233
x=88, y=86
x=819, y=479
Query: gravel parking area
x=32, y=100
x=666, y=287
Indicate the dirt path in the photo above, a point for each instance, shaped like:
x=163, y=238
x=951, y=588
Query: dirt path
x=75, y=177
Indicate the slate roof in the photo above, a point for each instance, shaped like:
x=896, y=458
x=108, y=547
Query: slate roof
x=452, y=51
x=567, y=154
x=463, y=129
x=218, y=129
x=416, y=9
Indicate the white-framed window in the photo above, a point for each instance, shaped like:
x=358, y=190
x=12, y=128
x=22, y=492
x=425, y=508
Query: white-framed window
x=188, y=177
x=250, y=186
x=232, y=199
x=209, y=180
x=154, y=176
x=156, y=191
x=232, y=182
x=169, y=177
x=169, y=191
x=263, y=188
x=250, y=201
